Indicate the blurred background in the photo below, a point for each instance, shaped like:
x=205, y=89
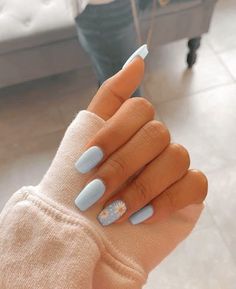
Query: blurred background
x=50, y=68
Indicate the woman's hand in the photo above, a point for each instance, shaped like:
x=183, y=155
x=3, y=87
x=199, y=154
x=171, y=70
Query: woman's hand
x=139, y=174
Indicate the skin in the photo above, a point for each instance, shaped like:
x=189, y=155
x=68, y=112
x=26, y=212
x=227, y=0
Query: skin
x=140, y=166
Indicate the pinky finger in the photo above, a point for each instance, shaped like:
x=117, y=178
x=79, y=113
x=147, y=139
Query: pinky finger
x=190, y=189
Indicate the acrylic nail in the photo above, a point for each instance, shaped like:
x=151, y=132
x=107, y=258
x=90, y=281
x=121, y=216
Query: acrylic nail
x=141, y=51
x=141, y=215
x=90, y=194
x=112, y=212
x=89, y=159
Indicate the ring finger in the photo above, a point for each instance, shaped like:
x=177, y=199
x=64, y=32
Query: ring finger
x=157, y=176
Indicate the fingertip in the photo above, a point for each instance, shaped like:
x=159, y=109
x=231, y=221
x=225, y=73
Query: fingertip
x=142, y=52
x=136, y=66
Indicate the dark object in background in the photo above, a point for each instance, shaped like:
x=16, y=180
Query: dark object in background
x=193, y=45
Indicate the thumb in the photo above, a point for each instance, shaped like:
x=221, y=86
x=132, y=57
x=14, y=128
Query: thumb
x=117, y=89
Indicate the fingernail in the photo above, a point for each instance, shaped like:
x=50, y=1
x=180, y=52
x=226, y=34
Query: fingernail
x=89, y=159
x=90, y=194
x=141, y=51
x=141, y=215
x=112, y=212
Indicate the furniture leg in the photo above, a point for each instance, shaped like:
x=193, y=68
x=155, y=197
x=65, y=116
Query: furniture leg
x=193, y=44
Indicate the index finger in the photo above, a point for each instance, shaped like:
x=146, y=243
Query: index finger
x=117, y=89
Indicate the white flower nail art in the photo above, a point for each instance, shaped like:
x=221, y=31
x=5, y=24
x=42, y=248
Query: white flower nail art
x=112, y=212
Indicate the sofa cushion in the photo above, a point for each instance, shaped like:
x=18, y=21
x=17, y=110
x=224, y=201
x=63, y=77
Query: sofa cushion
x=29, y=23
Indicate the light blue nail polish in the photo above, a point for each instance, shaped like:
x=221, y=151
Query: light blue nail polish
x=89, y=159
x=141, y=51
x=142, y=215
x=112, y=212
x=90, y=194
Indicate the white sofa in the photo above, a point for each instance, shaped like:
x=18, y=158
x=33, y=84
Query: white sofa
x=38, y=38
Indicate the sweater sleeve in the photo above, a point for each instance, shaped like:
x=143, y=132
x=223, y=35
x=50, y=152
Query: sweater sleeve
x=46, y=242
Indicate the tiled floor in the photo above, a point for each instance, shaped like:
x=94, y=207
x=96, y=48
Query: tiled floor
x=198, y=106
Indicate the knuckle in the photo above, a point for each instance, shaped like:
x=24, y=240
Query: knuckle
x=143, y=105
x=156, y=131
x=201, y=183
x=164, y=132
x=111, y=130
x=171, y=202
x=180, y=154
x=141, y=190
x=106, y=86
x=117, y=166
x=106, y=82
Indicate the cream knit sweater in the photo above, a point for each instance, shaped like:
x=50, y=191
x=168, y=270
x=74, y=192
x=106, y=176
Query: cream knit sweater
x=47, y=243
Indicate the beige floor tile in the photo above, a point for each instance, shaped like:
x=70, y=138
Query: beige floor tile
x=26, y=163
x=222, y=204
x=53, y=86
x=229, y=59
x=167, y=76
x=75, y=100
x=202, y=261
x=205, y=124
x=222, y=32
x=24, y=115
x=44, y=106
